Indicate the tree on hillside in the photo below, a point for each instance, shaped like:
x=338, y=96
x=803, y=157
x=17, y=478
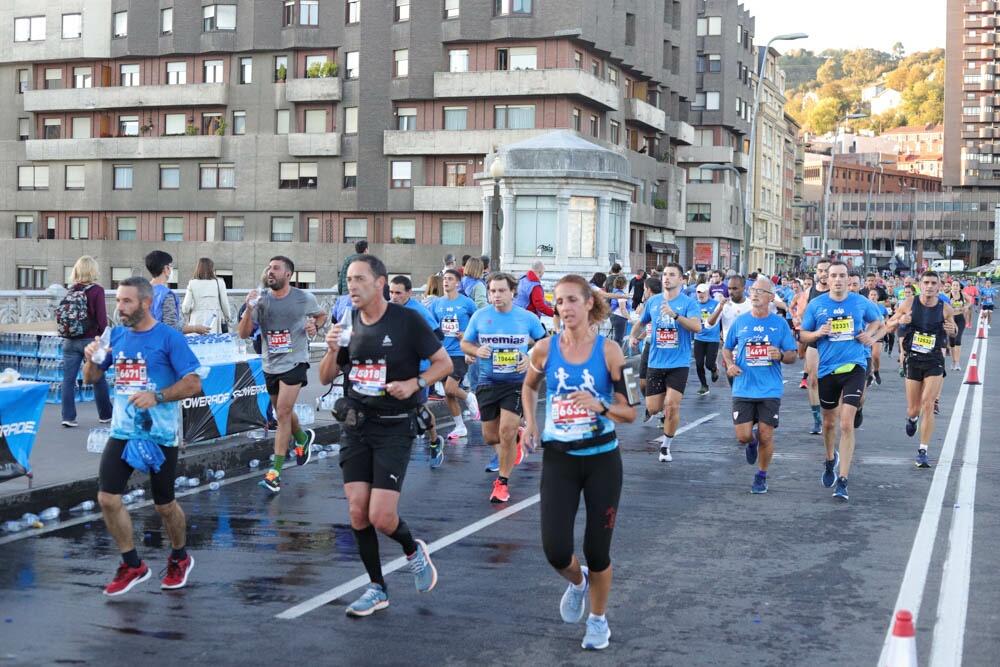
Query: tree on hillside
x=862, y=66
x=898, y=51
x=830, y=71
x=924, y=102
x=824, y=115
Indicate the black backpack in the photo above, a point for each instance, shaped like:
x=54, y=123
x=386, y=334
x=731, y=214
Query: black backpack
x=72, y=314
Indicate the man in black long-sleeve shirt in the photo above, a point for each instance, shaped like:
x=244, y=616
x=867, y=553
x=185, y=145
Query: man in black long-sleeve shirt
x=636, y=286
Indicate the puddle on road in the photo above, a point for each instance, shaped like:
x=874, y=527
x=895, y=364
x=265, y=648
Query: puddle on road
x=155, y=634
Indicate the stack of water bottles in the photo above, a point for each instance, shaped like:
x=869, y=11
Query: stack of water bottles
x=215, y=348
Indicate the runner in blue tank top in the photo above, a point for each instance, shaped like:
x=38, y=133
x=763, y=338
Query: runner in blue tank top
x=453, y=311
x=585, y=398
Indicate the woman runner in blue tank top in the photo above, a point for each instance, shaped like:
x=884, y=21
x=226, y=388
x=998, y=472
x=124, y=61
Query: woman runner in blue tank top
x=585, y=397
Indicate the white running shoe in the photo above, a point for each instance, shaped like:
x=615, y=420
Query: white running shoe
x=665, y=456
x=652, y=420
x=458, y=432
x=473, y=405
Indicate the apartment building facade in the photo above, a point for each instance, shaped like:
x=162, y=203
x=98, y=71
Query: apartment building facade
x=240, y=131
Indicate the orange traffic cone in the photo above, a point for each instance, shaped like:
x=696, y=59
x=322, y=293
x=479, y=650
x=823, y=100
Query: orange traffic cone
x=973, y=377
x=903, y=645
x=982, y=330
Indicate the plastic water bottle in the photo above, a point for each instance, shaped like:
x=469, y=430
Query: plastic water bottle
x=193, y=482
x=322, y=454
x=209, y=473
x=254, y=464
x=219, y=474
x=128, y=499
x=138, y=493
x=214, y=486
x=260, y=294
x=101, y=353
x=333, y=449
x=12, y=527
x=29, y=520
x=49, y=514
x=180, y=481
x=346, y=329
x=85, y=506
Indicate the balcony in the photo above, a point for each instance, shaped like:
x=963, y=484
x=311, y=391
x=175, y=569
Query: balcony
x=313, y=90
x=326, y=144
x=527, y=83
x=125, y=148
x=452, y=142
x=441, y=198
x=642, y=113
x=126, y=97
x=680, y=132
x=703, y=154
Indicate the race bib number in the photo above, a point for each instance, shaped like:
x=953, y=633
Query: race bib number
x=130, y=376
x=757, y=354
x=449, y=327
x=369, y=378
x=505, y=361
x=842, y=328
x=279, y=342
x=923, y=343
x=570, y=420
x=666, y=339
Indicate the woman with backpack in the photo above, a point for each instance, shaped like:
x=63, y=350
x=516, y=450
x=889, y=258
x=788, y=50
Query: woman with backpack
x=80, y=317
x=205, y=299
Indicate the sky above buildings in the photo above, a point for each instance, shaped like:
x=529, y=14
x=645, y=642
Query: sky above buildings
x=850, y=24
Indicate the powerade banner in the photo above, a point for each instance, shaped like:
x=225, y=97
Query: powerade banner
x=21, y=406
x=233, y=398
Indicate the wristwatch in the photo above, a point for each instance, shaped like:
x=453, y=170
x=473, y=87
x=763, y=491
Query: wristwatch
x=605, y=406
x=421, y=382
x=160, y=398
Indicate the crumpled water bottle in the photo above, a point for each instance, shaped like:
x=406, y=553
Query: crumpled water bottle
x=346, y=329
x=85, y=506
x=214, y=486
x=12, y=527
x=193, y=482
x=219, y=474
x=260, y=295
x=254, y=464
x=180, y=481
x=49, y=514
x=101, y=353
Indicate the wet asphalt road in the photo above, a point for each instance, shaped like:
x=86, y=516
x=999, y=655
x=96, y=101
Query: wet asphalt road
x=705, y=573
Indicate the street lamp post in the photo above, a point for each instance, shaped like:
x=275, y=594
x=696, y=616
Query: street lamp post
x=913, y=228
x=739, y=198
x=829, y=181
x=747, y=203
x=807, y=205
x=496, y=223
x=868, y=210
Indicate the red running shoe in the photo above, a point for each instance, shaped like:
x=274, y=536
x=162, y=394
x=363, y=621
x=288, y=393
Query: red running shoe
x=125, y=578
x=177, y=572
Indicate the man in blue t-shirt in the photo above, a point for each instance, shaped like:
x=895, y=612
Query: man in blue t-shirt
x=499, y=337
x=452, y=312
x=706, y=343
x=987, y=296
x=675, y=319
x=761, y=341
x=842, y=324
x=154, y=369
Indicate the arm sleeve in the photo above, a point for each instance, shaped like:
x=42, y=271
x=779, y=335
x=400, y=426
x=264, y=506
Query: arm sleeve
x=182, y=359
x=788, y=343
x=170, y=315
x=809, y=318
x=424, y=340
x=730, y=343
x=188, y=304
x=479, y=295
x=538, y=301
x=227, y=311
x=98, y=308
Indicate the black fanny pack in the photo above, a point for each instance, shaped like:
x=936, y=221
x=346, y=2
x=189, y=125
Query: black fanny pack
x=353, y=414
x=583, y=443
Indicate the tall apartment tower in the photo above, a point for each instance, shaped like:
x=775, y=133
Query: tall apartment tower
x=720, y=113
x=243, y=130
x=972, y=94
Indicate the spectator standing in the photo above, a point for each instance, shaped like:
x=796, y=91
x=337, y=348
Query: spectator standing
x=166, y=307
x=530, y=294
x=205, y=299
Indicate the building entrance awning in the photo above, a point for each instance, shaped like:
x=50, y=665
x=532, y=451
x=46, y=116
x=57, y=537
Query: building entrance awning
x=660, y=247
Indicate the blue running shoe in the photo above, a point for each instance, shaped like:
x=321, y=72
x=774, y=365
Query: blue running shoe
x=372, y=600
x=437, y=453
x=574, y=602
x=922, y=460
x=841, y=491
x=598, y=634
x=425, y=575
x=830, y=472
x=911, y=427
x=751, y=451
x=494, y=464
x=759, y=483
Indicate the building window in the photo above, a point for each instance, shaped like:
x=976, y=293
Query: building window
x=239, y=122
x=314, y=66
x=629, y=29
x=173, y=229
x=582, y=227
x=315, y=121
x=174, y=123
x=22, y=80
x=218, y=177
x=312, y=230
x=123, y=177
x=211, y=123
x=615, y=132
x=53, y=78
x=218, y=17
x=176, y=74
x=281, y=120
x=281, y=229
x=699, y=213
x=118, y=274
x=595, y=126
x=52, y=128
x=451, y=9
x=699, y=63
x=514, y=117
x=24, y=227
x=23, y=128
x=458, y=60
x=353, y=11
x=523, y=57
x=712, y=100
x=170, y=177
x=32, y=277
x=128, y=75
x=350, y=175
x=401, y=63
x=82, y=77
x=714, y=62
x=576, y=119
x=33, y=178
x=81, y=127
x=29, y=29
x=613, y=76
x=355, y=229
x=455, y=174
x=350, y=120
x=280, y=68
x=708, y=25
x=407, y=118
x=402, y=10
x=352, y=63
x=212, y=71
x=453, y=232
x=401, y=172
x=72, y=26
x=167, y=21
x=308, y=12
x=79, y=227
x=232, y=229
x=246, y=70
x=120, y=24
x=128, y=126
x=75, y=177
x=404, y=230
x=288, y=15
x=126, y=229
x=595, y=68
x=298, y=176
x=535, y=221
x=455, y=118
x=506, y=7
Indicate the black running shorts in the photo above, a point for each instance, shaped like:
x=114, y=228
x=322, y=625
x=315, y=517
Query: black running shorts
x=849, y=385
x=658, y=380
